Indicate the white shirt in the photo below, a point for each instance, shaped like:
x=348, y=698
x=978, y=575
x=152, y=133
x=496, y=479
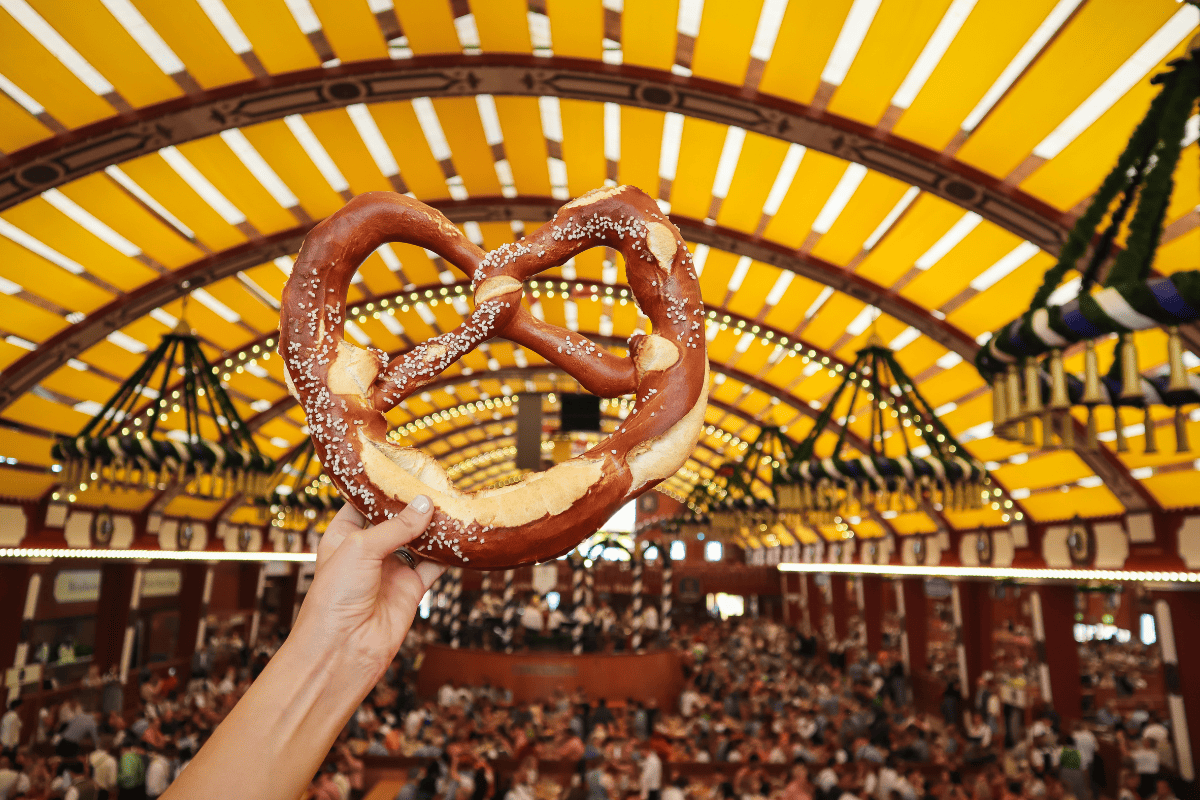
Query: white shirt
x=651, y=773
x=673, y=793
x=1085, y=743
x=531, y=619
x=104, y=770
x=1145, y=761
x=413, y=722
x=158, y=776
x=688, y=701
x=10, y=730
x=12, y=783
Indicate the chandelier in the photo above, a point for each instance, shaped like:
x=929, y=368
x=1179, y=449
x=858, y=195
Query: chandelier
x=208, y=452
x=296, y=503
x=1032, y=393
x=912, y=459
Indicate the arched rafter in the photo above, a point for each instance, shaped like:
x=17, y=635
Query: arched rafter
x=26, y=372
x=76, y=153
x=535, y=371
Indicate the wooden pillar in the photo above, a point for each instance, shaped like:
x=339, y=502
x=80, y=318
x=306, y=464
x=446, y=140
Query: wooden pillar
x=841, y=607
x=14, y=579
x=872, y=595
x=288, y=593
x=112, y=613
x=976, y=630
x=1174, y=615
x=915, y=624
x=250, y=591
x=192, y=607
x=1056, y=609
x=816, y=611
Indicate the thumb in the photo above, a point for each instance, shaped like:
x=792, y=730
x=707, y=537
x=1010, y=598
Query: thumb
x=383, y=539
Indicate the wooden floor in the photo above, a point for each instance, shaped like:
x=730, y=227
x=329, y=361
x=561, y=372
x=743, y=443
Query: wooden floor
x=384, y=790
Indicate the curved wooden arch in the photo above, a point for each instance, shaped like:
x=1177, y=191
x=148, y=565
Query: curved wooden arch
x=24, y=373
x=27, y=371
x=80, y=152
x=526, y=373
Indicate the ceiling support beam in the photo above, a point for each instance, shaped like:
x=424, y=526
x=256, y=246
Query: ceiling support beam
x=27, y=371
x=77, y=153
x=528, y=373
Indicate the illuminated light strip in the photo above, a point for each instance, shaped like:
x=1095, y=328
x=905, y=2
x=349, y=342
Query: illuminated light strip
x=316, y=152
x=850, y=38
x=147, y=38
x=137, y=191
x=997, y=573
x=49, y=38
x=23, y=98
x=368, y=130
x=259, y=168
x=1128, y=75
x=1050, y=25
x=935, y=48
x=151, y=555
x=202, y=185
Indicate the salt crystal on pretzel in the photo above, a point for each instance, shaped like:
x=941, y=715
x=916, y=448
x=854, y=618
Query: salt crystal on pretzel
x=345, y=390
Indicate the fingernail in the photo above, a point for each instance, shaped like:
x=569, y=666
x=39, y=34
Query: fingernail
x=421, y=504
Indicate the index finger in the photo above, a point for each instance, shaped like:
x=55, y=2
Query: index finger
x=348, y=520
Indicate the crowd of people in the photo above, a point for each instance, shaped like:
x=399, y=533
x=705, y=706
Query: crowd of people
x=763, y=714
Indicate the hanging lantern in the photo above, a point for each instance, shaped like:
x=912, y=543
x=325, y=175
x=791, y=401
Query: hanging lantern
x=208, y=452
x=1126, y=301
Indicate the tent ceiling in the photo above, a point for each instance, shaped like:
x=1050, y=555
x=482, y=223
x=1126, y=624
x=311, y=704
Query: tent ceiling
x=910, y=169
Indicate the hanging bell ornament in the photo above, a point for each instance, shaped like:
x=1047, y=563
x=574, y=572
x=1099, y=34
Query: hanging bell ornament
x=999, y=406
x=1179, y=376
x=1033, y=387
x=1091, y=376
x=1122, y=442
x=1093, y=430
x=1181, y=431
x=1066, y=429
x=1151, y=439
x=1048, y=429
x=1029, y=437
x=1013, y=380
x=1058, y=382
x=1131, y=379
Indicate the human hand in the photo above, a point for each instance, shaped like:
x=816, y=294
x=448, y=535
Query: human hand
x=363, y=598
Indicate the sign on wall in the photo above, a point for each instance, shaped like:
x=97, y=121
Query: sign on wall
x=161, y=582
x=77, y=586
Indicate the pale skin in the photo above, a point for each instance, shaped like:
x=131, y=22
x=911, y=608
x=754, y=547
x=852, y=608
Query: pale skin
x=359, y=609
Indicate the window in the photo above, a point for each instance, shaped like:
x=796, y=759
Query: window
x=678, y=550
x=713, y=551
x=650, y=553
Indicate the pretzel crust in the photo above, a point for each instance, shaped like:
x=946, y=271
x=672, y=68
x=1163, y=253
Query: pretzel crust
x=345, y=390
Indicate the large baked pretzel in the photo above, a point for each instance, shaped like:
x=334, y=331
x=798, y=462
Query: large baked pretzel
x=345, y=390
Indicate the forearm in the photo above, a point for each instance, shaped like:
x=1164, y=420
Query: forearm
x=276, y=737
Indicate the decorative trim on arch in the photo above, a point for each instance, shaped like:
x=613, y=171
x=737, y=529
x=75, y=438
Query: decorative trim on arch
x=77, y=153
x=26, y=372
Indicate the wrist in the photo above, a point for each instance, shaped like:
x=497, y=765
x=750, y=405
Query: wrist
x=333, y=660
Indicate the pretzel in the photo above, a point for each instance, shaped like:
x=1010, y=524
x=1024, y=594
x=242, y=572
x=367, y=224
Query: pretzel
x=345, y=390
